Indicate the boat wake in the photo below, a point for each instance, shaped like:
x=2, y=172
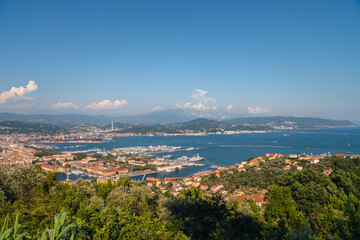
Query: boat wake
x=251, y=146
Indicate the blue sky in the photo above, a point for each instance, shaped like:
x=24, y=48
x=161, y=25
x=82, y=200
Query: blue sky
x=211, y=58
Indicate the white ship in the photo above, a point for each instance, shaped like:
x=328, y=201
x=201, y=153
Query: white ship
x=77, y=172
x=189, y=164
x=168, y=156
x=183, y=158
x=196, y=158
x=170, y=170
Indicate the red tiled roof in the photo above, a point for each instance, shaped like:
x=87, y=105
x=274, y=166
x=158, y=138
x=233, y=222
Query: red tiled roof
x=257, y=198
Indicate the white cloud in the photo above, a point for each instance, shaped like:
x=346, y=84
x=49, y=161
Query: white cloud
x=157, y=109
x=258, y=110
x=17, y=93
x=107, y=104
x=204, y=103
x=199, y=94
x=65, y=105
x=229, y=108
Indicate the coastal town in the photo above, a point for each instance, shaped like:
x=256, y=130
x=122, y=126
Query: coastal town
x=97, y=133
x=29, y=150
x=137, y=161
x=121, y=162
x=216, y=182
x=79, y=158
x=39, y=149
x=180, y=120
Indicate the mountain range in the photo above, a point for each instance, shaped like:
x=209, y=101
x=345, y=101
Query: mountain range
x=177, y=119
x=291, y=122
x=156, y=117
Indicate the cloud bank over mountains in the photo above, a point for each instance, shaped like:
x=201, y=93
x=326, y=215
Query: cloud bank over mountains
x=107, y=104
x=65, y=105
x=258, y=110
x=200, y=105
x=203, y=104
x=99, y=106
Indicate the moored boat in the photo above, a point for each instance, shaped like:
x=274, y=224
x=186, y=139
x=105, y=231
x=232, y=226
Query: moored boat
x=196, y=158
x=168, y=156
x=183, y=158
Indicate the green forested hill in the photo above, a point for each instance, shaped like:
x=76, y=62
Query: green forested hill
x=197, y=125
x=173, y=117
x=295, y=122
x=9, y=127
x=239, y=124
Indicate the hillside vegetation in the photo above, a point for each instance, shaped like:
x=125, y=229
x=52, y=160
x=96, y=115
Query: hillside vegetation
x=10, y=127
x=194, y=126
x=304, y=204
x=169, y=117
x=291, y=122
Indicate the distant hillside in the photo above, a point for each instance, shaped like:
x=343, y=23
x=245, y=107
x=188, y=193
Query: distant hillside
x=200, y=123
x=291, y=122
x=157, y=117
x=61, y=119
x=178, y=120
x=197, y=125
x=10, y=127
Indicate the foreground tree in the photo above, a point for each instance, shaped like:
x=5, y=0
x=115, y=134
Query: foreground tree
x=281, y=213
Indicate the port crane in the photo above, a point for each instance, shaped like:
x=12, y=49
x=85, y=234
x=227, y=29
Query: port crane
x=67, y=176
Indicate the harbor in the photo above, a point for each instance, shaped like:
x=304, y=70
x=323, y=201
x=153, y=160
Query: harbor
x=225, y=150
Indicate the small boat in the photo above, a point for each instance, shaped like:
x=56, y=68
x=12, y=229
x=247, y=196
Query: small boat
x=77, y=172
x=196, y=158
x=168, y=156
x=189, y=164
x=287, y=135
x=183, y=158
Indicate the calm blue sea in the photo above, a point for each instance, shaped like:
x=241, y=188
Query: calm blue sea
x=225, y=150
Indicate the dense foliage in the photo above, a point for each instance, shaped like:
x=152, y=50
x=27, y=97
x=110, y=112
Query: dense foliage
x=300, y=205
x=10, y=127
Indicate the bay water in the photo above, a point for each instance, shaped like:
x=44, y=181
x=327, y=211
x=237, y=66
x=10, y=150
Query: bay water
x=226, y=150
